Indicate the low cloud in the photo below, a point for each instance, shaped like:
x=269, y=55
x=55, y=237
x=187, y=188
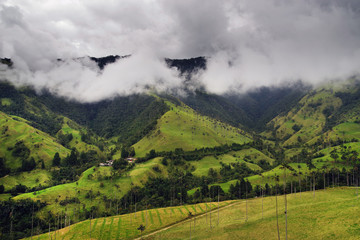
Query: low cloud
x=248, y=43
x=82, y=80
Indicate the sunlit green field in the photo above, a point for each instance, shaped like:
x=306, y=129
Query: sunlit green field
x=182, y=127
x=125, y=226
x=346, y=131
x=91, y=180
x=5, y=101
x=330, y=214
x=41, y=145
x=202, y=166
x=29, y=179
x=268, y=177
x=327, y=214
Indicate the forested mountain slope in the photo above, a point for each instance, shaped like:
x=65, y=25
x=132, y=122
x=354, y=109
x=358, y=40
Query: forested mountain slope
x=329, y=112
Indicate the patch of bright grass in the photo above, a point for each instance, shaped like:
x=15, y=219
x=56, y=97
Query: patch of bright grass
x=182, y=127
x=125, y=226
x=331, y=214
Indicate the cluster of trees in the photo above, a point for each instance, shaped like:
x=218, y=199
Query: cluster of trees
x=195, y=155
x=229, y=172
x=120, y=164
x=64, y=139
x=18, y=219
x=20, y=150
x=27, y=165
x=127, y=152
x=3, y=169
x=71, y=167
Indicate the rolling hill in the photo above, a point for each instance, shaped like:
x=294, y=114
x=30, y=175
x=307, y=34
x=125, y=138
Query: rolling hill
x=182, y=127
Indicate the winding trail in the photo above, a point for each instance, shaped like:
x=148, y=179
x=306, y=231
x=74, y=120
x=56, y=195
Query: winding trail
x=185, y=220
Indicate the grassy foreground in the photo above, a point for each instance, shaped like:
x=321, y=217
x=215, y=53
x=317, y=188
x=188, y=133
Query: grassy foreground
x=125, y=226
x=331, y=214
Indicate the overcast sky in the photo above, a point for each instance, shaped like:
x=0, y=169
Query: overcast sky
x=249, y=43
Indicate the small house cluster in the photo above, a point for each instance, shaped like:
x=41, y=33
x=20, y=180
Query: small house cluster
x=130, y=160
x=108, y=163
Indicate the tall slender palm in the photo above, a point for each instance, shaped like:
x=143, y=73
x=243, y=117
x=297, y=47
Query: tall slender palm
x=285, y=200
x=277, y=215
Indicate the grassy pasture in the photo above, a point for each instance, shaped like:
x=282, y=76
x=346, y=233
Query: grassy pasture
x=182, y=127
x=266, y=177
x=331, y=214
x=309, y=115
x=202, y=166
x=41, y=145
x=346, y=131
x=91, y=180
x=70, y=127
x=29, y=179
x=125, y=226
x=5, y=101
x=253, y=154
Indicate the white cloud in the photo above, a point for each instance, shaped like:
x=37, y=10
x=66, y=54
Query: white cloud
x=249, y=43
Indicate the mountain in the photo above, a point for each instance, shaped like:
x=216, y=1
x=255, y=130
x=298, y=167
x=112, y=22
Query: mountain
x=187, y=147
x=126, y=117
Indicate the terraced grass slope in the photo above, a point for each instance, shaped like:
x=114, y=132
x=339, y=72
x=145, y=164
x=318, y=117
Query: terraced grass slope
x=126, y=226
x=42, y=146
x=331, y=214
x=182, y=127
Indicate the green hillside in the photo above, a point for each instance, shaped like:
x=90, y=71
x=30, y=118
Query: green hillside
x=182, y=127
x=327, y=214
x=78, y=137
x=330, y=214
x=307, y=119
x=330, y=112
x=251, y=157
x=35, y=178
x=98, y=182
x=126, y=226
x=41, y=145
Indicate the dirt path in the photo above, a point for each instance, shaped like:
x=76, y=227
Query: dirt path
x=184, y=221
